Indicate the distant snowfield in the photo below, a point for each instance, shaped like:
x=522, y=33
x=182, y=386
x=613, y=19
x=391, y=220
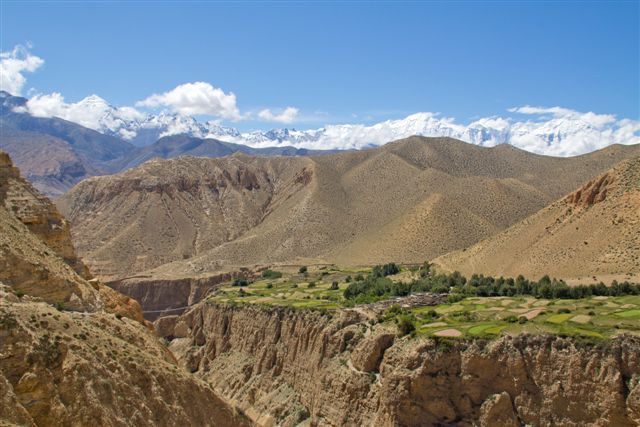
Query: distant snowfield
x=552, y=131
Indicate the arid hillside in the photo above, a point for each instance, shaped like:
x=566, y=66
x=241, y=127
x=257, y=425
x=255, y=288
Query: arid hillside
x=594, y=231
x=172, y=210
x=407, y=201
x=76, y=352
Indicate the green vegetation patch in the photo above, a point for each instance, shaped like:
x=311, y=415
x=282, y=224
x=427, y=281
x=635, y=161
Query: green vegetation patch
x=478, y=307
x=628, y=313
x=559, y=318
x=480, y=317
x=479, y=329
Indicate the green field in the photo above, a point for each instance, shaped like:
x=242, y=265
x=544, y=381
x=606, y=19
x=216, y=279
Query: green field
x=597, y=317
x=293, y=289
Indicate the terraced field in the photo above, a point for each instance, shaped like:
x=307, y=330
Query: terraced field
x=598, y=317
x=312, y=289
x=322, y=288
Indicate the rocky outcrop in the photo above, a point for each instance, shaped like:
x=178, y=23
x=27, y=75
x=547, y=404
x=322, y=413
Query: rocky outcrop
x=497, y=411
x=99, y=364
x=38, y=213
x=594, y=191
x=367, y=355
x=36, y=254
x=283, y=366
x=71, y=369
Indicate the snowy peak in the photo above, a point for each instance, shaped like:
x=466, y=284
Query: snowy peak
x=552, y=131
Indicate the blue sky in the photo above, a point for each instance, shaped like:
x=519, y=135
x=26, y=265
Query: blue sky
x=346, y=62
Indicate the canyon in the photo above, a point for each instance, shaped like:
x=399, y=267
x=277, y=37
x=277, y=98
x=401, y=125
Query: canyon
x=283, y=367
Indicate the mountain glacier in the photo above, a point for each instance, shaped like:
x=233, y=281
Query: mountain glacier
x=550, y=131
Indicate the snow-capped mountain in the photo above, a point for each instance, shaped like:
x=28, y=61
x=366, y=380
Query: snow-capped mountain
x=552, y=131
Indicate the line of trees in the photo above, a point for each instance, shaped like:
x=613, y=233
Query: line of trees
x=377, y=286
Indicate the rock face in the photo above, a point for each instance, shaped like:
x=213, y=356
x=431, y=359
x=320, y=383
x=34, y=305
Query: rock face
x=497, y=411
x=38, y=213
x=103, y=366
x=283, y=366
x=68, y=369
x=36, y=254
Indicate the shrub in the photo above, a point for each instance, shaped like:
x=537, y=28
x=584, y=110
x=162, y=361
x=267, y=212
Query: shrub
x=334, y=286
x=511, y=319
x=19, y=293
x=8, y=320
x=311, y=285
x=270, y=274
x=303, y=269
x=118, y=316
x=432, y=314
x=453, y=298
x=564, y=310
x=348, y=279
x=394, y=310
x=269, y=285
x=240, y=282
x=405, y=325
x=522, y=320
x=59, y=306
x=45, y=351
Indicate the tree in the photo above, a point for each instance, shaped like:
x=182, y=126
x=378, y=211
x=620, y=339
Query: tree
x=270, y=274
x=405, y=325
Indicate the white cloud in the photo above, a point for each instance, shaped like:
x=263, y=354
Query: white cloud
x=288, y=115
x=12, y=66
x=598, y=120
x=198, y=98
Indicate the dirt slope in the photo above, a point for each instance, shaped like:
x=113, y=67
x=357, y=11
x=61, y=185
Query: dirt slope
x=594, y=231
x=408, y=201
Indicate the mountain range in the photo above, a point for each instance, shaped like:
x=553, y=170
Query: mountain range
x=561, y=131
x=92, y=137
x=55, y=154
x=410, y=201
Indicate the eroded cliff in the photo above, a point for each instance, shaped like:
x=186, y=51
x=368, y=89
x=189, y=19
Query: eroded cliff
x=284, y=366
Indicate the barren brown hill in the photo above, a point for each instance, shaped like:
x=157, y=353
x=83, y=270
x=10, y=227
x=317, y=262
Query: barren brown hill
x=168, y=210
x=407, y=201
x=594, y=231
